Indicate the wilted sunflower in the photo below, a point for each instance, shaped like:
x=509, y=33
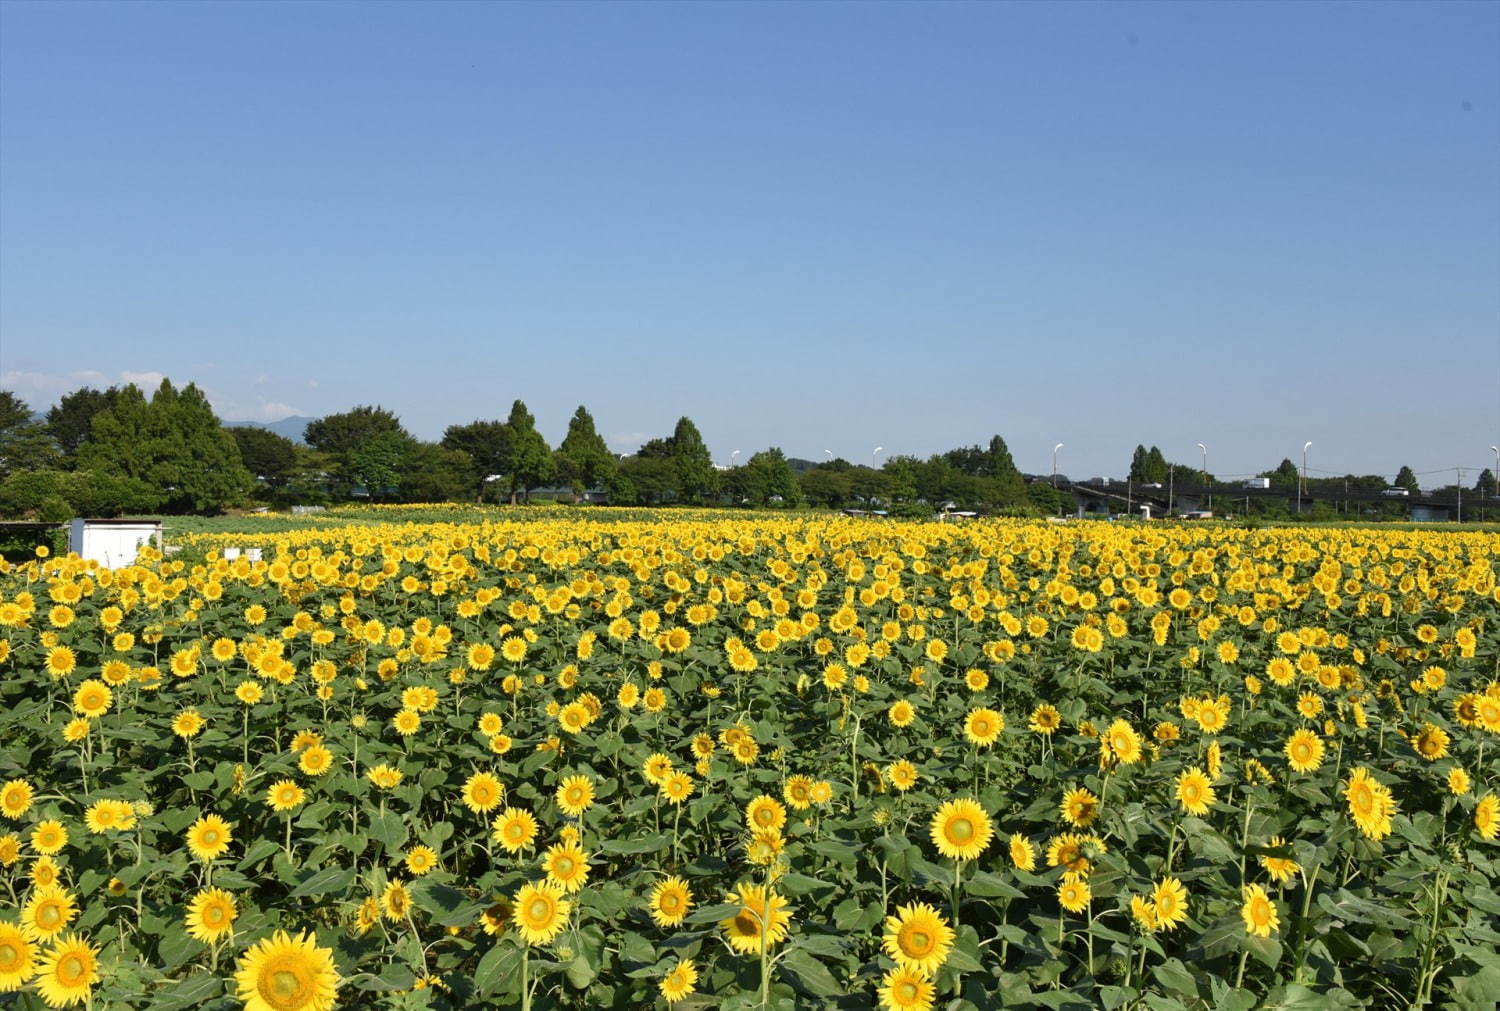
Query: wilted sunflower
x=285, y=973
x=961, y=829
x=918, y=937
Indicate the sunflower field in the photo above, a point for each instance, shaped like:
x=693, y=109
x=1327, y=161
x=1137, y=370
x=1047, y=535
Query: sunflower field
x=597, y=760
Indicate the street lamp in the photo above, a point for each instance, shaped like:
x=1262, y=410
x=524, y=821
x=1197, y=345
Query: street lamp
x=1302, y=478
x=1496, y=472
x=829, y=453
x=732, y=456
x=874, y=454
x=1054, y=463
x=1206, y=481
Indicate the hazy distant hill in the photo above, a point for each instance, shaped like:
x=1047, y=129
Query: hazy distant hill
x=290, y=428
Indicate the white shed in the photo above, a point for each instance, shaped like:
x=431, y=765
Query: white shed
x=112, y=543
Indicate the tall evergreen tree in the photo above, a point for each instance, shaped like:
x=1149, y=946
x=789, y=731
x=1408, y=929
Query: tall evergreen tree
x=692, y=464
x=583, y=459
x=1406, y=479
x=530, y=459
x=174, y=444
x=24, y=444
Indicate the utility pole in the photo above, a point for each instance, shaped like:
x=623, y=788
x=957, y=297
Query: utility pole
x=1171, y=476
x=1460, y=494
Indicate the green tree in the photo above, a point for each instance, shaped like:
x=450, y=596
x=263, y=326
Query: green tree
x=433, y=473
x=583, y=459
x=1285, y=475
x=1406, y=479
x=269, y=457
x=770, y=479
x=1138, y=464
x=174, y=444
x=1155, y=471
x=71, y=419
x=529, y=464
x=692, y=464
x=828, y=484
x=377, y=463
x=649, y=480
x=487, y=445
x=24, y=444
x=901, y=478
x=1486, y=483
x=341, y=435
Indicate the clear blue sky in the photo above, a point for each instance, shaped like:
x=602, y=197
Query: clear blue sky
x=820, y=226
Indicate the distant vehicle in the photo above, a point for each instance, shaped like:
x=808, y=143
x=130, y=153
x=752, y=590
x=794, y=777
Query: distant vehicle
x=1153, y=484
x=1258, y=482
x=1198, y=514
x=1396, y=492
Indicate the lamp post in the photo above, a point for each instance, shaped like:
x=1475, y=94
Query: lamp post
x=732, y=456
x=873, y=454
x=829, y=453
x=1054, y=463
x=1496, y=472
x=1206, y=481
x=1302, y=478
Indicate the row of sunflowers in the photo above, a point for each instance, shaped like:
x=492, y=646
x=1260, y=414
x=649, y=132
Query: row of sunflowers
x=754, y=762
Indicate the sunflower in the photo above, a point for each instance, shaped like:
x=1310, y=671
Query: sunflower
x=60, y=661
x=1045, y=720
x=315, y=761
x=395, y=902
x=421, y=859
x=540, y=913
x=1194, y=791
x=567, y=867
x=574, y=795
x=1431, y=743
x=1073, y=892
x=491, y=724
x=1281, y=869
x=1487, y=816
x=17, y=958
x=45, y=872
x=765, y=814
x=1079, y=807
x=1022, y=853
x=1259, y=912
x=906, y=989
x=284, y=973
x=496, y=917
x=901, y=713
x=1458, y=785
x=983, y=726
x=209, y=837
x=514, y=828
x=656, y=768
x=47, y=913
x=284, y=795
x=1304, y=751
x=1370, y=804
x=15, y=798
x=187, y=723
x=670, y=901
x=759, y=912
x=1170, y=902
x=918, y=937
x=210, y=915
x=677, y=787
x=902, y=774
x=384, y=776
x=482, y=792
x=1124, y=742
x=961, y=829
x=69, y=971
x=798, y=792
x=1143, y=911
x=678, y=984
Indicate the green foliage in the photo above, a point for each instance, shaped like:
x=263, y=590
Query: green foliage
x=433, y=473
x=341, y=436
x=529, y=460
x=583, y=459
x=487, y=445
x=270, y=458
x=24, y=443
x=377, y=462
x=85, y=492
x=173, y=444
x=71, y=419
x=691, y=462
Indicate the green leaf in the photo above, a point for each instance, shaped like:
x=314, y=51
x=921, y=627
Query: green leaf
x=389, y=829
x=500, y=966
x=319, y=883
x=1176, y=978
x=190, y=992
x=258, y=851
x=447, y=906
x=642, y=844
x=811, y=976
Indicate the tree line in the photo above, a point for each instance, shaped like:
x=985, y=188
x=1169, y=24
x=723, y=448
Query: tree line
x=115, y=451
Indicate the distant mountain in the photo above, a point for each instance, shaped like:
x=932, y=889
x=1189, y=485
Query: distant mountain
x=288, y=428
